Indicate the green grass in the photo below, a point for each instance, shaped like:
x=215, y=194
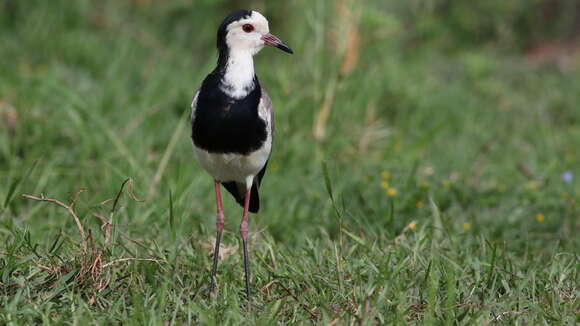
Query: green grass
x=482, y=228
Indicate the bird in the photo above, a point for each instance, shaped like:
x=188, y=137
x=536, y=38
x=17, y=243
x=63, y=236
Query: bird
x=232, y=121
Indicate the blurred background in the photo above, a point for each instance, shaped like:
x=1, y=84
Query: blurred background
x=446, y=132
x=471, y=104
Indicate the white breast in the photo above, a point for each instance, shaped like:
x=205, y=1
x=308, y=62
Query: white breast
x=226, y=167
x=238, y=79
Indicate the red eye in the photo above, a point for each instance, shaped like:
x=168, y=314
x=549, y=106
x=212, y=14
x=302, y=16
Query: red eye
x=248, y=28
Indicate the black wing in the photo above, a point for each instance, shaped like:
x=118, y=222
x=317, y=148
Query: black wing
x=238, y=190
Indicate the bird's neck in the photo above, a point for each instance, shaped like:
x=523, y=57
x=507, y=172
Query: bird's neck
x=237, y=70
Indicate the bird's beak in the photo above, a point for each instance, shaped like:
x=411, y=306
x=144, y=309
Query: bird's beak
x=272, y=40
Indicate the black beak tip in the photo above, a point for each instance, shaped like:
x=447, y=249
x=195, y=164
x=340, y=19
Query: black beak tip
x=285, y=48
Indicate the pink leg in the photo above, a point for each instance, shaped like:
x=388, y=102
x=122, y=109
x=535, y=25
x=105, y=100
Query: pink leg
x=244, y=234
x=219, y=224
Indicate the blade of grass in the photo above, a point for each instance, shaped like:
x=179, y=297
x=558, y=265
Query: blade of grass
x=16, y=183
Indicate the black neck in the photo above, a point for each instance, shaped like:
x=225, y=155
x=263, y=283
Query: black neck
x=224, y=55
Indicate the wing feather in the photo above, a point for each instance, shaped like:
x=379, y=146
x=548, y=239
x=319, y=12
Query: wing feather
x=194, y=105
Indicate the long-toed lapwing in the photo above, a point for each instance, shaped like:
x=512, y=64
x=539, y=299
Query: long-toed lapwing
x=233, y=123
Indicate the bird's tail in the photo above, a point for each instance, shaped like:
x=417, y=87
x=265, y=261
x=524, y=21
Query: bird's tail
x=238, y=190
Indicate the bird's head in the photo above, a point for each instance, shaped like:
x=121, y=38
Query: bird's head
x=247, y=31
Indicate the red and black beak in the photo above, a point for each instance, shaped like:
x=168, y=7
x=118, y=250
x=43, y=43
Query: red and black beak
x=272, y=40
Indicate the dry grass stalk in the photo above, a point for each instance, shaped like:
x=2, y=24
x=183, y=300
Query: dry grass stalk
x=107, y=226
x=70, y=210
x=348, y=22
x=319, y=130
x=121, y=260
x=9, y=117
x=345, y=40
x=90, y=274
x=525, y=170
x=372, y=133
x=311, y=312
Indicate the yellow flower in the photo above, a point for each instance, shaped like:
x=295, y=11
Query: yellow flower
x=391, y=192
x=275, y=167
x=446, y=184
x=385, y=175
x=419, y=204
x=384, y=184
x=540, y=218
x=466, y=226
x=533, y=185
x=412, y=226
x=565, y=195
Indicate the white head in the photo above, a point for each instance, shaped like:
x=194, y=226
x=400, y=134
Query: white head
x=247, y=31
x=246, y=34
x=241, y=35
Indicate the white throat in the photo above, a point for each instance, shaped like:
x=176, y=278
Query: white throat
x=238, y=79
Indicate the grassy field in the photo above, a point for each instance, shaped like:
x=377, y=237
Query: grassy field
x=425, y=167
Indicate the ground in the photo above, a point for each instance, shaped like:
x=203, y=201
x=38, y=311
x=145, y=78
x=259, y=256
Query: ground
x=425, y=168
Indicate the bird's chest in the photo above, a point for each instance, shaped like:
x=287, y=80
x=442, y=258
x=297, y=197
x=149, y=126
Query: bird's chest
x=228, y=127
x=232, y=166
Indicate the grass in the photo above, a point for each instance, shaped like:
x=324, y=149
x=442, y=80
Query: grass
x=415, y=178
